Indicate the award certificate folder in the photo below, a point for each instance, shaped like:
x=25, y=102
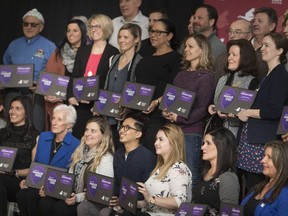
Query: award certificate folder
x=136, y=95
x=233, y=100
x=52, y=84
x=227, y=209
x=191, y=209
x=16, y=76
x=58, y=184
x=177, y=100
x=7, y=159
x=86, y=88
x=99, y=188
x=37, y=173
x=283, y=123
x=107, y=103
x=128, y=195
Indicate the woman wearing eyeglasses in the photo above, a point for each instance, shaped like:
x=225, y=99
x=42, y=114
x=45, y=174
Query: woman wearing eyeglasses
x=157, y=70
x=91, y=60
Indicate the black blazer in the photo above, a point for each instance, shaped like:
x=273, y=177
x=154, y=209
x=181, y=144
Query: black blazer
x=81, y=60
x=271, y=97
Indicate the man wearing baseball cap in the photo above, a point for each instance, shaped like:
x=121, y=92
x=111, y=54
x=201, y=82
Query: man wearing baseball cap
x=32, y=48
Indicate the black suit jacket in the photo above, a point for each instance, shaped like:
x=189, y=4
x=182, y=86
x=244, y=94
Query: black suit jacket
x=271, y=97
x=81, y=60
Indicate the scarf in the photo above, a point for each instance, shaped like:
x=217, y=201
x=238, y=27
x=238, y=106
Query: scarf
x=68, y=57
x=86, y=158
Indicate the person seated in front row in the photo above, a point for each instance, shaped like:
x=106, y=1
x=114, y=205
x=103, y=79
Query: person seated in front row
x=269, y=197
x=53, y=148
x=220, y=183
x=94, y=154
x=132, y=161
x=170, y=183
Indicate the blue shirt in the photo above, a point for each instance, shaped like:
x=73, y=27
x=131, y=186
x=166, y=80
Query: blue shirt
x=136, y=167
x=35, y=51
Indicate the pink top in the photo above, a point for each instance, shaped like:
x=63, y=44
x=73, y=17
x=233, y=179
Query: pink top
x=92, y=65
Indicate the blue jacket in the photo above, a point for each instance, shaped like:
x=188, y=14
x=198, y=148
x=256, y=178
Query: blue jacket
x=63, y=155
x=277, y=208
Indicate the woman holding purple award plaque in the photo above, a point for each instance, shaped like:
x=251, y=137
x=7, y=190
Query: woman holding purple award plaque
x=52, y=148
x=157, y=70
x=94, y=154
x=91, y=60
x=170, y=183
x=19, y=133
x=197, y=77
x=261, y=121
x=122, y=68
x=62, y=60
x=241, y=65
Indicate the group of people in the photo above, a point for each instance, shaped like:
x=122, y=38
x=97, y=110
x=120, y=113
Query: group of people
x=173, y=159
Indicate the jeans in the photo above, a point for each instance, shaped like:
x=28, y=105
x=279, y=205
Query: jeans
x=194, y=156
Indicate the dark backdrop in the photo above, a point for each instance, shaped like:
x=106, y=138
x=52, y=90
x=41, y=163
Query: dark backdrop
x=58, y=12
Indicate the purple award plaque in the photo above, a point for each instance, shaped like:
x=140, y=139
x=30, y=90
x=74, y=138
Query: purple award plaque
x=92, y=185
x=46, y=82
x=37, y=174
x=5, y=74
x=78, y=88
x=170, y=97
x=227, y=97
x=52, y=178
x=129, y=92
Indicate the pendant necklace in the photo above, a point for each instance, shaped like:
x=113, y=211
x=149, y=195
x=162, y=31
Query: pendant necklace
x=57, y=145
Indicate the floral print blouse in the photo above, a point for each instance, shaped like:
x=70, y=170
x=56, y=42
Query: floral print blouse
x=177, y=183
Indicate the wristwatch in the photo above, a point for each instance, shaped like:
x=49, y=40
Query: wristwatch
x=152, y=200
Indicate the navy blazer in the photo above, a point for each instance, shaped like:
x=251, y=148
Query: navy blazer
x=81, y=61
x=62, y=157
x=278, y=207
x=271, y=98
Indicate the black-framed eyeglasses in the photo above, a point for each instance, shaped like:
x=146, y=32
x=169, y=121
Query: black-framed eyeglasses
x=236, y=33
x=156, y=32
x=33, y=25
x=95, y=27
x=127, y=127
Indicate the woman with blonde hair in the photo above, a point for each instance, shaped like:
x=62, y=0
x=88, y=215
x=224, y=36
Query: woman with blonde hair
x=94, y=154
x=196, y=76
x=91, y=60
x=170, y=182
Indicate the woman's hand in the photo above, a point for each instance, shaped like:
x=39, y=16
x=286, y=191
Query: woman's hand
x=113, y=201
x=243, y=115
x=222, y=115
x=153, y=105
x=73, y=101
x=142, y=189
x=42, y=192
x=212, y=109
x=72, y=200
x=22, y=184
x=285, y=137
x=170, y=116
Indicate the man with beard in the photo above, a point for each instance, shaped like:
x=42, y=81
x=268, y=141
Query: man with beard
x=205, y=20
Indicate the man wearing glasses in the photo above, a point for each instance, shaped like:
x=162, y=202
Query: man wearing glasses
x=132, y=161
x=32, y=48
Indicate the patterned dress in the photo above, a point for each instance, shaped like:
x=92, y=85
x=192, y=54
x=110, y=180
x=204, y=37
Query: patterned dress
x=177, y=183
